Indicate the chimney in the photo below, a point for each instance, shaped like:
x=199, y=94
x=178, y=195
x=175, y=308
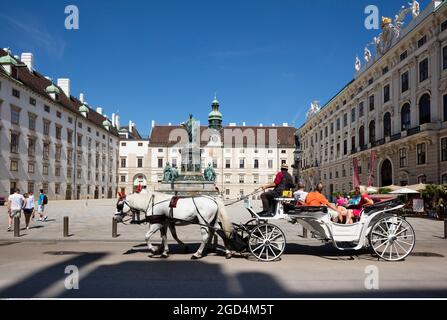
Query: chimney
x=81, y=97
x=113, y=120
x=16, y=57
x=130, y=125
x=170, y=124
x=64, y=84
x=8, y=51
x=117, y=121
x=27, y=58
x=232, y=124
x=285, y=124
x=273, y=125
x=99, y=110
x=153, y=124
x=243, y=124
x=261, y=125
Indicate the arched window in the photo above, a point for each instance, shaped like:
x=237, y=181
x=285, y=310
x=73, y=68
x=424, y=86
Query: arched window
x=362, y=136
x=424, y=109
x=387, y=125
x=444, y=179
x=372, y=132
x=405, y=117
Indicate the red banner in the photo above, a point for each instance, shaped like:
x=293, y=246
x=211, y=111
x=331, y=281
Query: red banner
x=356, y=173
x=372, y=164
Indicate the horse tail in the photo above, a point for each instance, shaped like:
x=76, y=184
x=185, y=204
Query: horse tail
x=223, y=218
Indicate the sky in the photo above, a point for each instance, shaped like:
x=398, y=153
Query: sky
x=161, y=60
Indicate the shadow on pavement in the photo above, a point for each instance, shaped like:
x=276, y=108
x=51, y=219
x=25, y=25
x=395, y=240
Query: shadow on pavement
x=33, y=285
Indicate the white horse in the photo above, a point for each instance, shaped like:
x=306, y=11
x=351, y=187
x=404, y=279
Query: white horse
x=203, y=210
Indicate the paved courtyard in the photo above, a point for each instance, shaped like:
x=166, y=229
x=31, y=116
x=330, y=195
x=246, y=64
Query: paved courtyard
x=34, y=265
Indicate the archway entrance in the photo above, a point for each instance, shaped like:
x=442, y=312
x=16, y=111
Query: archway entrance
x=386, y=173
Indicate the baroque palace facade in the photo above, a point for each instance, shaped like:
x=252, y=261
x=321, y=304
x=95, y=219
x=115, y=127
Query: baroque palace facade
x=392, y=118
x=243, y=157
x=51, y=140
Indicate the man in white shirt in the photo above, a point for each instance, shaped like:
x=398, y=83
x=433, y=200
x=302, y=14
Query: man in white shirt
x=15, y=205
x=300, y=195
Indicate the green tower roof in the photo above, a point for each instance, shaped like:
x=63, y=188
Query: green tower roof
x=52, y=89
x=8, y=60
x=84, y=108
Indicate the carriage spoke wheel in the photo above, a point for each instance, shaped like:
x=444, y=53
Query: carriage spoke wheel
x=267, y=242
x=392, y=238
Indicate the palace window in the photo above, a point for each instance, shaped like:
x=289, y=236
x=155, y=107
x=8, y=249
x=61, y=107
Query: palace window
x=403, y=55
x=444, y=179
x=387, y=125
x=422, y=41
x=422, y=179
x=424, y=109
x=361, y=110
x=255, y=179
x=30, y=167
x=353, y=115
x=16, y=93
x=404, y=80
x=371, y=103
x=345, y=120
x=338, y=124
x=256, y=164
x=444, y=58
x=241, y=179
x=345, y=147
x=241, y=163
x=14, y=142
x=46, y=108
x=227, y=163
x=15, y=115
x=386, y=93
x=31, y=147
x=46, y=151
x=45, y=170
x=405, y=117
x=58, y=132
x=444, y=149
x=140, y=162
x=372, y=132
x=270, y=164
x=421, y=153
x=14, y=166
x=402, y=158
x=423, y=70
x=32, y=101
x=123, y=162
x=160, y=162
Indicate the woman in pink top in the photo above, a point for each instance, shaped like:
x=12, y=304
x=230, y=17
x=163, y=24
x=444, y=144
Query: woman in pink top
x=361, y=199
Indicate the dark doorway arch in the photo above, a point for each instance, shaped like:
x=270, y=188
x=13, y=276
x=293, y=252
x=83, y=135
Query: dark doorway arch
x=424, y=109
x=386, y=173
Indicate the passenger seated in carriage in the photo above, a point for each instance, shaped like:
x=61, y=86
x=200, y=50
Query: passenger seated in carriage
x=300, y=195
x=355, y=205
x=317, y=199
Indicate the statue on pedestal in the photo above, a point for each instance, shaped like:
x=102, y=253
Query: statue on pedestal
x=168, y=173
x=209, y=173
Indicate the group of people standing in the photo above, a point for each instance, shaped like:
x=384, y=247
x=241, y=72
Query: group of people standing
x=26, y=203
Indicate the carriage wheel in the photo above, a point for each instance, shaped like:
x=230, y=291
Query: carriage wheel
x=267, y=242
x=392, y=238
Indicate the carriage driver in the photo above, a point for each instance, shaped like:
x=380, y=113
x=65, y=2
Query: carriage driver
x=283, y=181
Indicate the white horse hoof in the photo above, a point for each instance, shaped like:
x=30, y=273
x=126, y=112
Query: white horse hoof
x=228, y=255
x=164, y=255
x=194, y=257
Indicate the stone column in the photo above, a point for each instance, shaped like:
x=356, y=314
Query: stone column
x=414, y=114
x=435, y=63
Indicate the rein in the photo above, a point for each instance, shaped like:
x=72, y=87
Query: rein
x=243, y=198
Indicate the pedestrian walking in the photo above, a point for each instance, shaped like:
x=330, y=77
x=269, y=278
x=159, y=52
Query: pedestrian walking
x=42, y=202
x=15, y=205
x=28, y=209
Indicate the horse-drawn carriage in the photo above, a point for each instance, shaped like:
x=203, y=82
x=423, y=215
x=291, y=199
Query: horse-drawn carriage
x=379, y=228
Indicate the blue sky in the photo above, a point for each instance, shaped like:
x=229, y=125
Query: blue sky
x=163, y=59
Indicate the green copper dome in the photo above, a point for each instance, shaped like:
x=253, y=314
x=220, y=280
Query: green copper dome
x=84, y=108
x=106, y=123
x=8, y=60
x=215, y=117
x=52, y=89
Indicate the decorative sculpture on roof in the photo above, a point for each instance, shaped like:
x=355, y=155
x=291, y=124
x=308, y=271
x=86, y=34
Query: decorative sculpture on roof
x=367, y=54
x=313, y=110
x=191, y=128
x=358, y=64
x=391, y=30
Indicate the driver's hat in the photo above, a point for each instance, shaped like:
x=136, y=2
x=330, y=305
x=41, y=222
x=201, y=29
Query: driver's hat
x=284, y=166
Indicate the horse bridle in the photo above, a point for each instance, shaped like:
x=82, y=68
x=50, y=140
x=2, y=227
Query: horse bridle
x=124, y=202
